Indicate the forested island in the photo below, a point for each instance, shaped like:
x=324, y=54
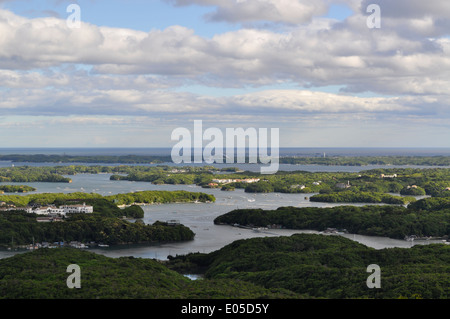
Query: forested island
x=301, y=267
x=143, y=197
x=42, y=274
x=105, y=225
x=16, y=189
x=21, y=229
x=362, y=197
x=319, y=266
x=425, y=218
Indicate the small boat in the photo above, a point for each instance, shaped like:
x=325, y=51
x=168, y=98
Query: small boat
x=103, y=245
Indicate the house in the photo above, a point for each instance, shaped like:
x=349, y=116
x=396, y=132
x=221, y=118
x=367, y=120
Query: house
x=388, y=176
x=173, y=222
x=63, y=210
x=78, y=209
x=47, y=210
x=343, y=185
x=228, y=181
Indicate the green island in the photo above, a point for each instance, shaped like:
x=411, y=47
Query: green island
x=21, y=229
x=362, y=197
x=321, y=266
x=302, y=266
x=143, y=197
x=42, y=274
x=428, y=217
x=16, y=189
x=104, y=225
x=404, y=181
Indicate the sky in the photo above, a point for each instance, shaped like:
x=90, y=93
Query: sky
x=133, y=71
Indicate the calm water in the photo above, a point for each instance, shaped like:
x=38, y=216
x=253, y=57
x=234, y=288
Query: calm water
x=198, y=217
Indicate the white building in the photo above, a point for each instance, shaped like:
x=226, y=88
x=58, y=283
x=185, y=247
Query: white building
x=47, y=210
x=63, y=210
x=78, y=209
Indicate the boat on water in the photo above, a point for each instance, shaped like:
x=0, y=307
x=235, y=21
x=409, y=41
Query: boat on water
x=103, y=245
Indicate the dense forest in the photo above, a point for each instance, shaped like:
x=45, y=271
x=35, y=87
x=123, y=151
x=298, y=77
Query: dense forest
x=301, y=266
x=353, y=196
x=27, y=174
x=144, y=197
x=374, y=220
x=42, y=274
x=318, y=266
x=16, y=189
x=22, y=228
x=104, y=225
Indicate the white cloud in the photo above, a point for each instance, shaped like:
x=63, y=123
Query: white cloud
x=47, y=69
x=285, y=11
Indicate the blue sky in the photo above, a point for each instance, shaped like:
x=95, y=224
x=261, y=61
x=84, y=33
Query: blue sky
x=136, y=70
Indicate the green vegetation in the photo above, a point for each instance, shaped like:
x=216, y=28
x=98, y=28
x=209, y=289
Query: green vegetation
x=42, y=274
x=413, y=191
x=144, y=197
x=104, y=225
x=16, y=189
x=27, y=174
x=368, y=160
x=361, y=197
x=318, y=266
x=408, y=181
x=145, y=159
x=300, y=266
x=22, y=229
x=125, y=159
x=387, y=221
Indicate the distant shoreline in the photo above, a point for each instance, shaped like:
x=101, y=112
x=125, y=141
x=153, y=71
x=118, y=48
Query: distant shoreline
x=284, y=151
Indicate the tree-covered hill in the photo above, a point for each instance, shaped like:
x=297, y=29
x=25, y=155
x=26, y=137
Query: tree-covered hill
x=322, y=266
x=373, y=220
x=42, y=274
x=18, y=228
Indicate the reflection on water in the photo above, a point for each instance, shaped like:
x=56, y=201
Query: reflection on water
x=198, y=217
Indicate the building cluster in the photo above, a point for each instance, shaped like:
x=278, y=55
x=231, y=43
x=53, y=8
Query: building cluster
x=388, y=176
x=51, y=210
x=228, y=181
